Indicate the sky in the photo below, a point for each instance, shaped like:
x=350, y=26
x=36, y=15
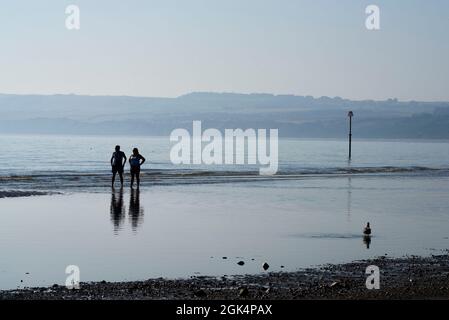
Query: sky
x=169, y=48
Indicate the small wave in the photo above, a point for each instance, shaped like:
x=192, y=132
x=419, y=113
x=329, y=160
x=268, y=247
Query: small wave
x=18, y=193
x=363, y=170
x=214, y=173
x=57, y=180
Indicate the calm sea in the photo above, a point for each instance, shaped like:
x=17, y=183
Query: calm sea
x=186, y=219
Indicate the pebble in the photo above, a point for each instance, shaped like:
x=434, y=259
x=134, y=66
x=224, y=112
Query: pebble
x=335, y=284
x=243, y=292
x=200, y=293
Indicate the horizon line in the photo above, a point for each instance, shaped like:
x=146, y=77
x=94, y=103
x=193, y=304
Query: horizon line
x=218, y=93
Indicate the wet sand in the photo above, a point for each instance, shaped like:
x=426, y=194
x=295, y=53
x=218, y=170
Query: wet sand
x=401, y=278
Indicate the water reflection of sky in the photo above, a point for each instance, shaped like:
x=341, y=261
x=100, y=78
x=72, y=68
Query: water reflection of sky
x=191, y=227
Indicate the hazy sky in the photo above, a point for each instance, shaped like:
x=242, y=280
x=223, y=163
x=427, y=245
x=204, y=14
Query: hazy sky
x=168, y=48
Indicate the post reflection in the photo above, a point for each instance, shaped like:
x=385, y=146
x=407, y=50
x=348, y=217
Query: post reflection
x=349, y=200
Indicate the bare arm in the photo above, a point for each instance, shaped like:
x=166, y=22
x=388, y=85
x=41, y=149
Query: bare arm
x=143, y=160
x=124, y=162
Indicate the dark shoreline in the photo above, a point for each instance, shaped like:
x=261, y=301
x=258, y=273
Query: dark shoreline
x=409, y=277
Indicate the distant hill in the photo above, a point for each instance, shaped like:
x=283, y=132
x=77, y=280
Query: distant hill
x=294, y=116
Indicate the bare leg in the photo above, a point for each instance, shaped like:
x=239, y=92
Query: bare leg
x=132, y=180
x=121, y=179
x=138, y=180
x=113, y=179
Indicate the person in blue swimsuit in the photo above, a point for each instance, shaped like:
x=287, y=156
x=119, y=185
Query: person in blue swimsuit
x=136, y=160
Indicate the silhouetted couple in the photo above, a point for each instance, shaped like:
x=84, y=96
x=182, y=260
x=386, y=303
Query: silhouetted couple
x=118, y=162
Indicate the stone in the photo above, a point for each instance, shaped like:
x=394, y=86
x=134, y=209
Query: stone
x=200, y=293
x=243, y=292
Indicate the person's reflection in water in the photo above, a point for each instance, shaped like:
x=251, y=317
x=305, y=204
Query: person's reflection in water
x=367, y=241
x=135, y=210
x=117, y=209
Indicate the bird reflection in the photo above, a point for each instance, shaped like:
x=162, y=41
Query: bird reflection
x=117, y=209
x=367, y=241
x=135, y=210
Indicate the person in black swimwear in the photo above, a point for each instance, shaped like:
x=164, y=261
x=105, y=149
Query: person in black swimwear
x=136, y=160
x=118, y=161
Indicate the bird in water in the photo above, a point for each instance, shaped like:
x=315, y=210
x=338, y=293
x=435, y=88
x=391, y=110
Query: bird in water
x=367, y=230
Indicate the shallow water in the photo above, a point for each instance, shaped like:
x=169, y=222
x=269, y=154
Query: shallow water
x=186, y=219
x=179, y=231
x=24, y=155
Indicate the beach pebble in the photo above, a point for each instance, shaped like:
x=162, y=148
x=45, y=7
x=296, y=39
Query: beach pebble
x=241, y=263
x=335, y=284
x=243, y=292
x=200, y=293
x=265, y=266
x=224, y=257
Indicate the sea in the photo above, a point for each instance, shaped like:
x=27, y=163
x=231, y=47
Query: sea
x=57, y=209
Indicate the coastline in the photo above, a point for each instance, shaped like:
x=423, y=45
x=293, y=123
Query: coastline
x=410, y=277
